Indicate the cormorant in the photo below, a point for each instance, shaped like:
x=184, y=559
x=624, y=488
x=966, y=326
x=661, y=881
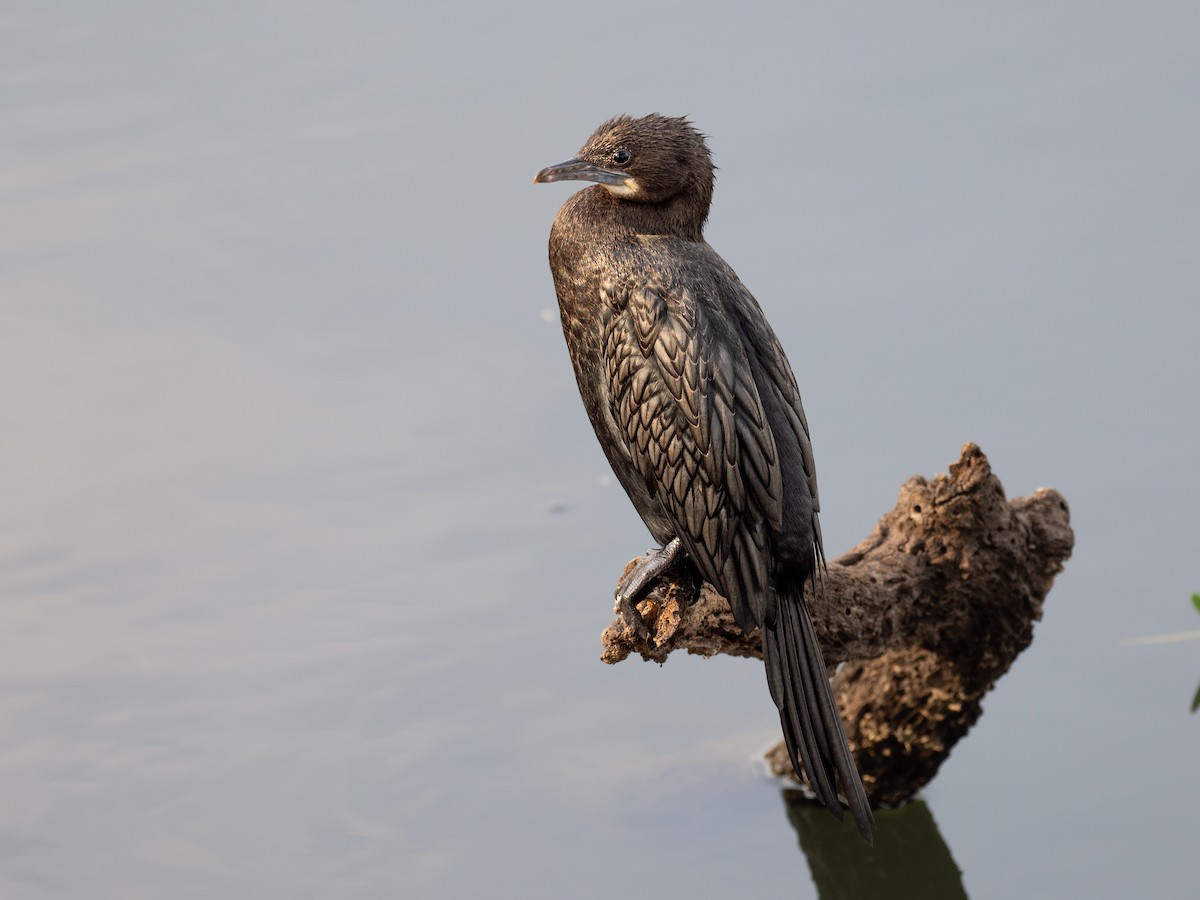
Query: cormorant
x=697, y=409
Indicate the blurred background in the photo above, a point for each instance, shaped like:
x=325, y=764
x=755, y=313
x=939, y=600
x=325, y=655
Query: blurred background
x=306, y=544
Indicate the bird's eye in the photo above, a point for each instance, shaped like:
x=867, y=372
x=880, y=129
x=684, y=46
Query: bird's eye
x=622, y=157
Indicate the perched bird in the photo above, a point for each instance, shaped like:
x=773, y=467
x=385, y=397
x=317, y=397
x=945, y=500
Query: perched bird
x=698, y=412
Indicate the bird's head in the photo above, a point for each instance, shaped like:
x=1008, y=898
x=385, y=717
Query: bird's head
x=656, y=160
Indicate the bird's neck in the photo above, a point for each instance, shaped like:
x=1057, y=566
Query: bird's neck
x=680, y=216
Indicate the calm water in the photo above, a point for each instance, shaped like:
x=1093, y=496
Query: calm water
x=305, y=545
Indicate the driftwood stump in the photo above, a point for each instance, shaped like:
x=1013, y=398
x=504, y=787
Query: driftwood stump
x=927, y=613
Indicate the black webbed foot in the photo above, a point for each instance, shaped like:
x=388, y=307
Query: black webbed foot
x=635, y=584
x=627, y=607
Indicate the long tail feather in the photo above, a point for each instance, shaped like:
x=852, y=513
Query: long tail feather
x=812, y=729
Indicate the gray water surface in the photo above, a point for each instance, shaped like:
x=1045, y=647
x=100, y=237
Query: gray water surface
x=305, y=543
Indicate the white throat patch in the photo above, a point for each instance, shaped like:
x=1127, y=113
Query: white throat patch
x=627, y=188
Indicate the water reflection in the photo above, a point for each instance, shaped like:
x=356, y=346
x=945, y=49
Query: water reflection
x=909, y=860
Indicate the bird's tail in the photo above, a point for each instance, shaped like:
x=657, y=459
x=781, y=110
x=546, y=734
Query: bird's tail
x=812, y=728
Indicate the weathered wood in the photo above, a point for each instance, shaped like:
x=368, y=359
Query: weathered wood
x=927, y=613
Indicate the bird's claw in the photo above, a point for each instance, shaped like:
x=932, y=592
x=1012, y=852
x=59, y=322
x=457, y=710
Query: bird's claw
x=630, y=588
x=636, y=583
x=633, y=617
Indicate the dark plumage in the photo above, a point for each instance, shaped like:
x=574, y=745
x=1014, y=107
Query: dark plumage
x=698, y=411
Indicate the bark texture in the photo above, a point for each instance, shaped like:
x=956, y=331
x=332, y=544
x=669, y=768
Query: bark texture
x=927, y=613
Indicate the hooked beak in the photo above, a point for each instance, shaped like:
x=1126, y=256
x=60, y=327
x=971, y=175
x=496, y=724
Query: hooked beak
x=580, y=170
